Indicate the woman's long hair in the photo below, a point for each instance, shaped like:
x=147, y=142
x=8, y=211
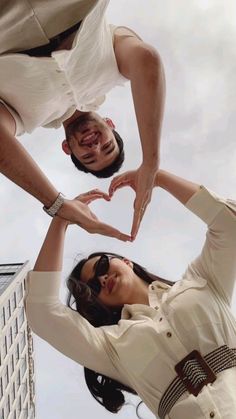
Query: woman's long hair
x=106, y=391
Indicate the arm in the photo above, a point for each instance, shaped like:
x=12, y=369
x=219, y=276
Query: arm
x=63, y=328
x=180, y=188
x=17, y=165
x=141, y=64
x=217, y=262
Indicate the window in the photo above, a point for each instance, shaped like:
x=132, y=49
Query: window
x=11, y=366
x=18, y=380
x=1, y=388
x=4, y=347
x=19, y=405
x=15, y=327
x=3, y=318
x=22, y=341
x=24, y=391
x=8, y=406
x=17, y=353
x=6, y=377
x=8, y=310
x=13, y=393
x=10, y=337
x=19, y=293
x=23, y=367
x=25, y=412
x=13, y=301
x=21, y=316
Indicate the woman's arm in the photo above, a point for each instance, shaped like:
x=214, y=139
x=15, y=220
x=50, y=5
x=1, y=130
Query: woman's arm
x=51, y=253
x=216, y=262
x=180, y=188
x=63, y=328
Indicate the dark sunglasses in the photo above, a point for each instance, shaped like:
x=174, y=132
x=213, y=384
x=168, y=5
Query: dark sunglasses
x=101, y=268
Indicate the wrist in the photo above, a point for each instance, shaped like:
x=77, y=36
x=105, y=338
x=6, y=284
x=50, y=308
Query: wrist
x=159, y=180
x=55, y=206
x=152, y=164
x=60, y=223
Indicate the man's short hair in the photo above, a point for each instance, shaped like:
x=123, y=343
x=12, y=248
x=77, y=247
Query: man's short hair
x=109, y=170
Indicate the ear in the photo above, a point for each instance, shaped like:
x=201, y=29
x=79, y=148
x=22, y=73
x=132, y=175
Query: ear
x=65, y=147
x=128, y=262
x=110, y=123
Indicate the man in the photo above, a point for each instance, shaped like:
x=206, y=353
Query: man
x=66, y=86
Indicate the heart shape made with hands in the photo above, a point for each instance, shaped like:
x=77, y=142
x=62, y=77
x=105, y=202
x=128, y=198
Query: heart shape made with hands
x=118, y=212
x=98, y=219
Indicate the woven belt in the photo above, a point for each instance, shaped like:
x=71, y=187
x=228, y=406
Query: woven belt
x=194, y=372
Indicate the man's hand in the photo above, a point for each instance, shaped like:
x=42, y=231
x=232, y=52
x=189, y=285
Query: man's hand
x=142, y=182
x=77, y=212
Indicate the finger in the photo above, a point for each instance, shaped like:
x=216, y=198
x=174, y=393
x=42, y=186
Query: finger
x=107, y=230
x=136, y=224
x=139, y=211
x=118, y=185
x=113, y=184
x=99, y=195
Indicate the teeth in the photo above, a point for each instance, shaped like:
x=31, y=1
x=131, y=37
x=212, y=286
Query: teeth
x=90, y=137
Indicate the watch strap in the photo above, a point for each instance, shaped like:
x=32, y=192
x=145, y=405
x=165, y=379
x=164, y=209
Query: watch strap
x=57, y=204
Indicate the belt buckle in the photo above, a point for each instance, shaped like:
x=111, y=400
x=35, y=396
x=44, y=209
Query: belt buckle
x=195, y=388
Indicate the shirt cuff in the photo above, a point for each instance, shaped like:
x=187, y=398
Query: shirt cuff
x=19, y=124
x=43, y=286
x=205, y=204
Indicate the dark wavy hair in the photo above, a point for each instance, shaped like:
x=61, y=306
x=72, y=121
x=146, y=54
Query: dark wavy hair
x=106, y=391
x=106, y=171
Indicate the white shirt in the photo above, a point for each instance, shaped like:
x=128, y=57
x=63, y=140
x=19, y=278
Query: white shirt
x=45, y=91
x=143, y=348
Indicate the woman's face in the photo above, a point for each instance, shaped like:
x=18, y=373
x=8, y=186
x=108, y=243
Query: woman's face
x=117, y=284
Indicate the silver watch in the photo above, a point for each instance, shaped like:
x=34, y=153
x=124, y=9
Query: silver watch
x=54, y=208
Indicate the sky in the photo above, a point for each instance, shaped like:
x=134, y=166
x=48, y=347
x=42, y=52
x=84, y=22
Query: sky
x=196, y=41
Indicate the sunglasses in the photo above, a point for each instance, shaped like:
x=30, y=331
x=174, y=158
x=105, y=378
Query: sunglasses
x=101, y=268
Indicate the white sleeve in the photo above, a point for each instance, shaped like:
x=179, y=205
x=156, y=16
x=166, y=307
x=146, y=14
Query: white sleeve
x=217, y=261
x=65, y=329
x=19, y=124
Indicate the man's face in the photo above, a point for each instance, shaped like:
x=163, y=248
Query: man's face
x=91, y=140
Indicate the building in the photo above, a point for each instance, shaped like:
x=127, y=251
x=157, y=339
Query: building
x=17, y=378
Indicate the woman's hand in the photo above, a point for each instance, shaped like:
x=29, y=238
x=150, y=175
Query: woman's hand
x=88, y=219
x=142, y=182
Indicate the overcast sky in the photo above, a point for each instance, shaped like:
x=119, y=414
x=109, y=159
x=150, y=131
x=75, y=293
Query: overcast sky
x=197, y=43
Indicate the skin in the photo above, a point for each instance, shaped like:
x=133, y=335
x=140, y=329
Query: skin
x=128, y=288
x=139, y=63
x=93, y=142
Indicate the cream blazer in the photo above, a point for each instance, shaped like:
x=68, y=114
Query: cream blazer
x=143, y=348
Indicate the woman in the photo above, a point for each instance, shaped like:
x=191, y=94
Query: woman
x=160, y=325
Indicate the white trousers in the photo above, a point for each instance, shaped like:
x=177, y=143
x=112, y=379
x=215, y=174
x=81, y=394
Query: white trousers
x=27, y=24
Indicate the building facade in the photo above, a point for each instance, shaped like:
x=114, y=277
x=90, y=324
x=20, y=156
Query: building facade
x=17, y=377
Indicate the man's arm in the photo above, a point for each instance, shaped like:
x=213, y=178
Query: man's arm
x=141, y=64
x=18, y=166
